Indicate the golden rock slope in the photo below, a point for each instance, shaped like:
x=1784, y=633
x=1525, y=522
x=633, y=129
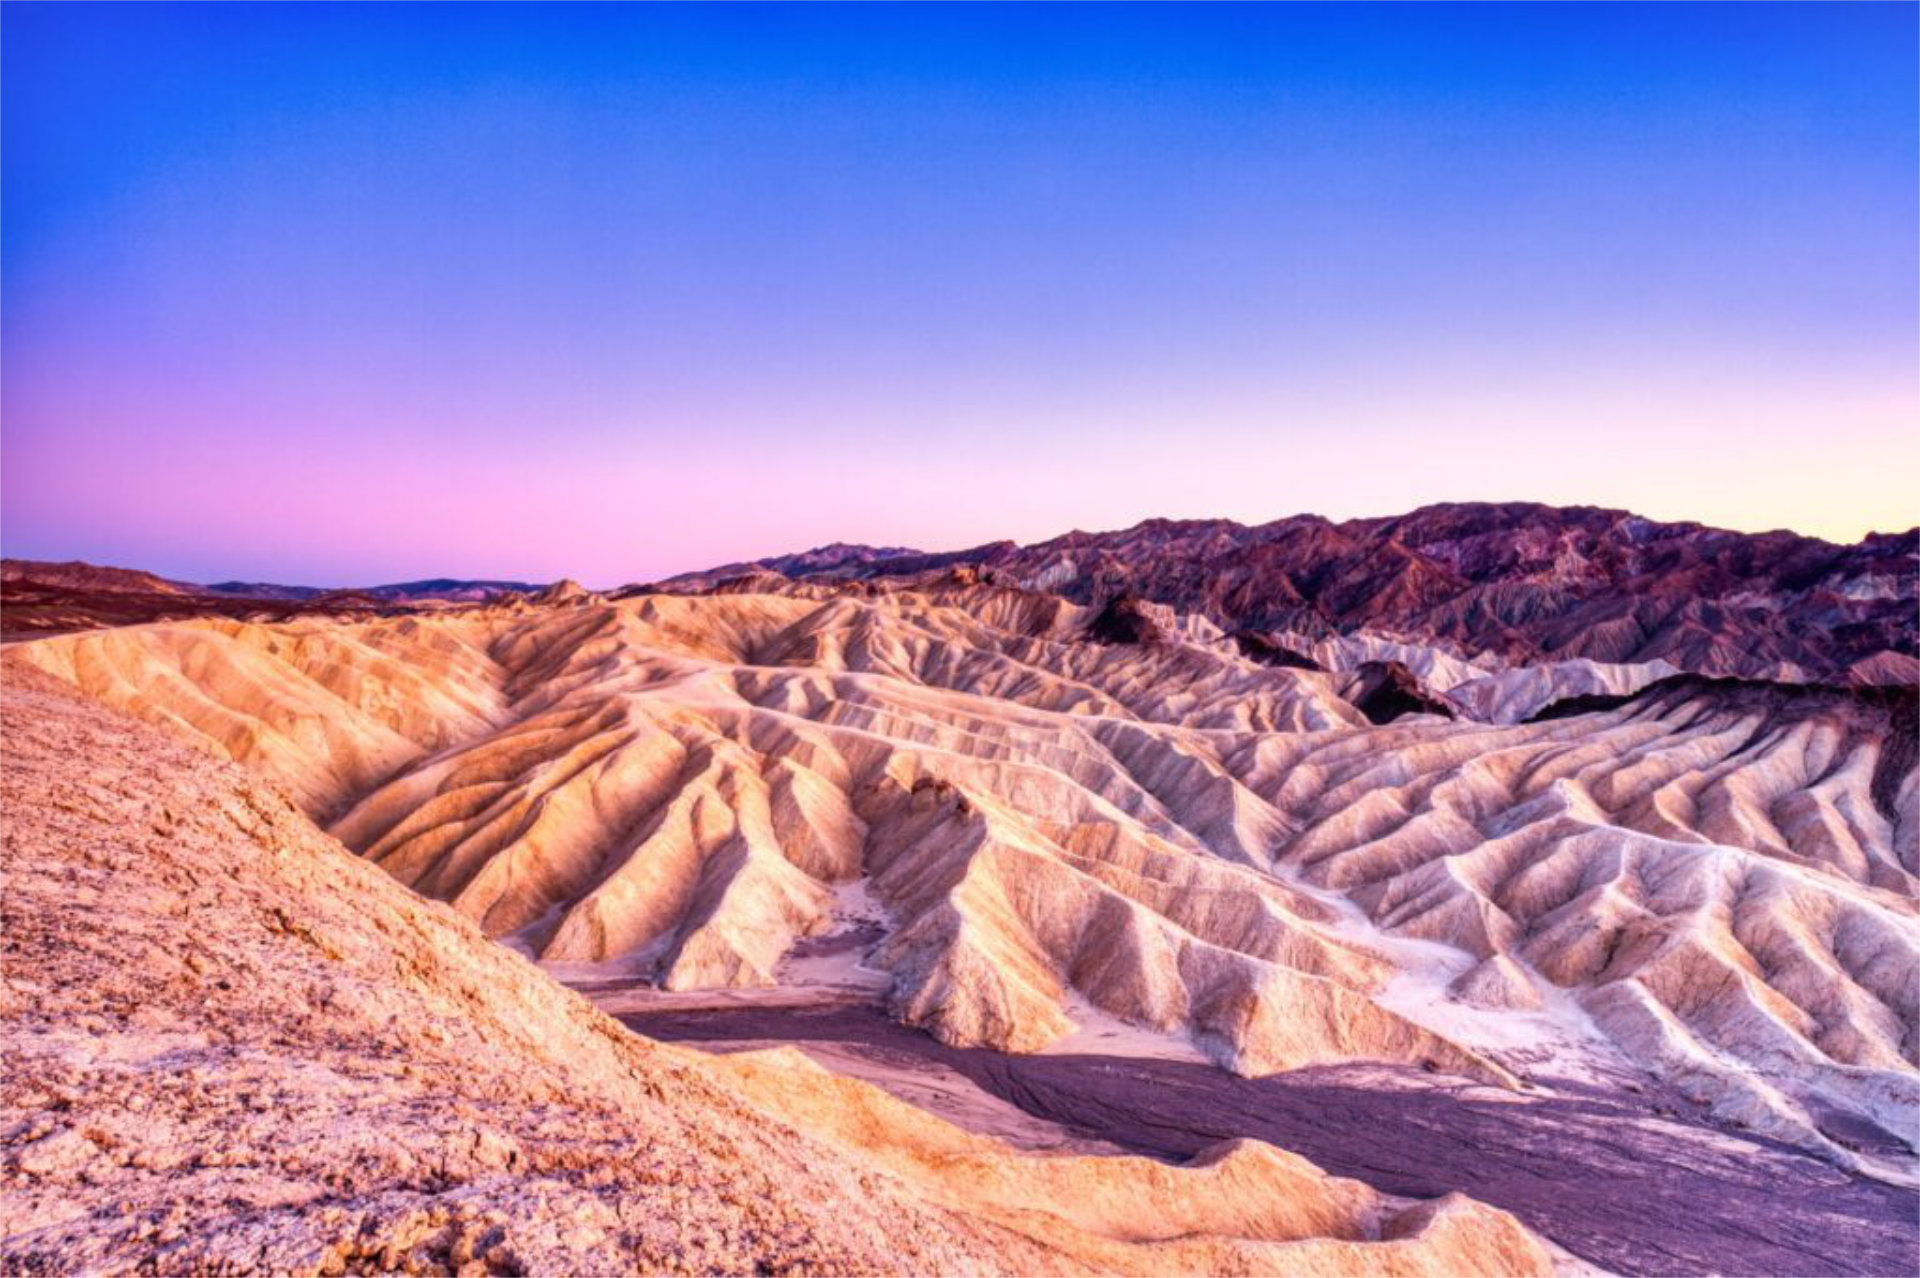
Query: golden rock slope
x=234, y=1047
x=1712, y=882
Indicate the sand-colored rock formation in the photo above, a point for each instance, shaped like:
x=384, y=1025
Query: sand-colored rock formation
x=1111, y=1210
x=234, y=1047
x=1713, y=881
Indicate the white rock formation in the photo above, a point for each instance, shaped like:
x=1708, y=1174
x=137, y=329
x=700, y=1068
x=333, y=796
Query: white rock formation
x=1721, y=881
x=232, y=1047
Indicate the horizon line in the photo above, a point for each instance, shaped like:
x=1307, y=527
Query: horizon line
x=918, y=551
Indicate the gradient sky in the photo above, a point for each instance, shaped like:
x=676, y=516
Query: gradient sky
x=359, y=293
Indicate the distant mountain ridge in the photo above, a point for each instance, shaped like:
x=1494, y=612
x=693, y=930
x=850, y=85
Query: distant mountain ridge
x=448, y=588
x=264, y=590
x=38, y=597
x=74, y=574
x=77, y=575
x=1517, y=582
x=838, y=558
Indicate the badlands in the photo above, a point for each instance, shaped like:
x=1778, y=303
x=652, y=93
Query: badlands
x=1620, y=942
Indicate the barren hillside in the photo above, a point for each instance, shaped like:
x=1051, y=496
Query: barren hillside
x=1015, y=822
x=234, y=1047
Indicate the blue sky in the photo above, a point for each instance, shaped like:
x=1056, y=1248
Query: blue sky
x=347, y=293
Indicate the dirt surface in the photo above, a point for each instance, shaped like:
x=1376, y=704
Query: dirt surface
x=1605, y=1174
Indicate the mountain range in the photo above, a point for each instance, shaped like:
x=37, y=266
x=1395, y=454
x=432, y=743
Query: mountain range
x=1493, y=585
x=1514, y=583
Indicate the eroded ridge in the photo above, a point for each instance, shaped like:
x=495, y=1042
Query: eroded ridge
x=1713, y=881
x=234, y=1047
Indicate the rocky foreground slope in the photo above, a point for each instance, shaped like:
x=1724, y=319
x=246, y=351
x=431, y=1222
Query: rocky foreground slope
x=232, y=1046
x=1025, y=818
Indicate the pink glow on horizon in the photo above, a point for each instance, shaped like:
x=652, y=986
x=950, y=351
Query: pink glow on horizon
x=309, y=502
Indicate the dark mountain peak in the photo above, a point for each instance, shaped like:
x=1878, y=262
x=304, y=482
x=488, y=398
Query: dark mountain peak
x=1520, y=580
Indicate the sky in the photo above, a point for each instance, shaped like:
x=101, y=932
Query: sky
x=359, y=293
